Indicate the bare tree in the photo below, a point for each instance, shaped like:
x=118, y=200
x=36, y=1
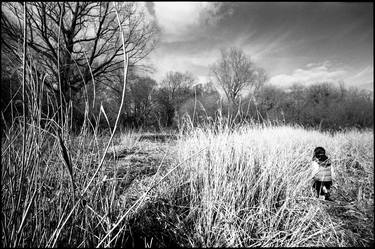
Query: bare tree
x=175, y=89
x=235, y=71
x=174, y=82
x=74, y=42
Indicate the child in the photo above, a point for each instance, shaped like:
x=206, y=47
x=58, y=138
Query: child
x=322, y=173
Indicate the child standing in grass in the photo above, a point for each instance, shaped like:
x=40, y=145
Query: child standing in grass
x=323, y=173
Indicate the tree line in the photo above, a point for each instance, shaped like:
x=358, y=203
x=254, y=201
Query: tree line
x=74, y=63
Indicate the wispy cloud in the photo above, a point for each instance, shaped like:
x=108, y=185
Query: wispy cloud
x=363, y=79
x=313, y=73
x=197, y=63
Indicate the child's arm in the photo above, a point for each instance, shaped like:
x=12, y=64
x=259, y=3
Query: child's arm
x=314, y=168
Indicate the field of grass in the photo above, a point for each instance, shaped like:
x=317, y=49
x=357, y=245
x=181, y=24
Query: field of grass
x=252, y=187
x=245, y=187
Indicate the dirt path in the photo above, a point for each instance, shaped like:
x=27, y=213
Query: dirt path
x=355, y=218
x=135, y=167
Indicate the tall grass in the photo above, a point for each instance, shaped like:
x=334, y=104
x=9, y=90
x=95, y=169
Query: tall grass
x=252, y=187
x=47, y=215
x=248, y=186
x=55, y=191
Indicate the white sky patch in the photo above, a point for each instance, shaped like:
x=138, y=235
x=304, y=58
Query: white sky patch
x=364, y=78
x=176, y=19
x=325, y=64
x=203, y=79
x=271, y=45
x=197, y=63
x=164, y=64
x=315, y=73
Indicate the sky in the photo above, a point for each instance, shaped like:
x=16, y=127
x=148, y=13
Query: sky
x=293, y=42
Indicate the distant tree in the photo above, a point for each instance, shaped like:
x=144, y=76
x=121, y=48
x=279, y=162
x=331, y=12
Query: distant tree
x=176, y=82
x=177, y=88
x=137, y=110
x=203, y=106
x=235, y=71
x=270, y=101
x=294, y=103
x=140, y=99
x=163, y=109
x=322, y=105
x=321, y=93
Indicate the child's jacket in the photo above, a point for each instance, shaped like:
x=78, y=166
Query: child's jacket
x=322, y=170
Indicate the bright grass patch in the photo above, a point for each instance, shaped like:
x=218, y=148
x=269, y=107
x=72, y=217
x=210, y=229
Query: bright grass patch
x=251, y=187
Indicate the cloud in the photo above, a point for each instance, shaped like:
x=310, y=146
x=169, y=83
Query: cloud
x=197, y=63
x=363, y=79
x=365, y=74
x=319, y=64
x=315, y=72
x=179, y=19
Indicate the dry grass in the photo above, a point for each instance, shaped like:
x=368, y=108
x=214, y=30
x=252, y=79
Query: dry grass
x=247, y=187
x=251, y=187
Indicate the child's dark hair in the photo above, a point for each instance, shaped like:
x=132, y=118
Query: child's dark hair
x=320, y=154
